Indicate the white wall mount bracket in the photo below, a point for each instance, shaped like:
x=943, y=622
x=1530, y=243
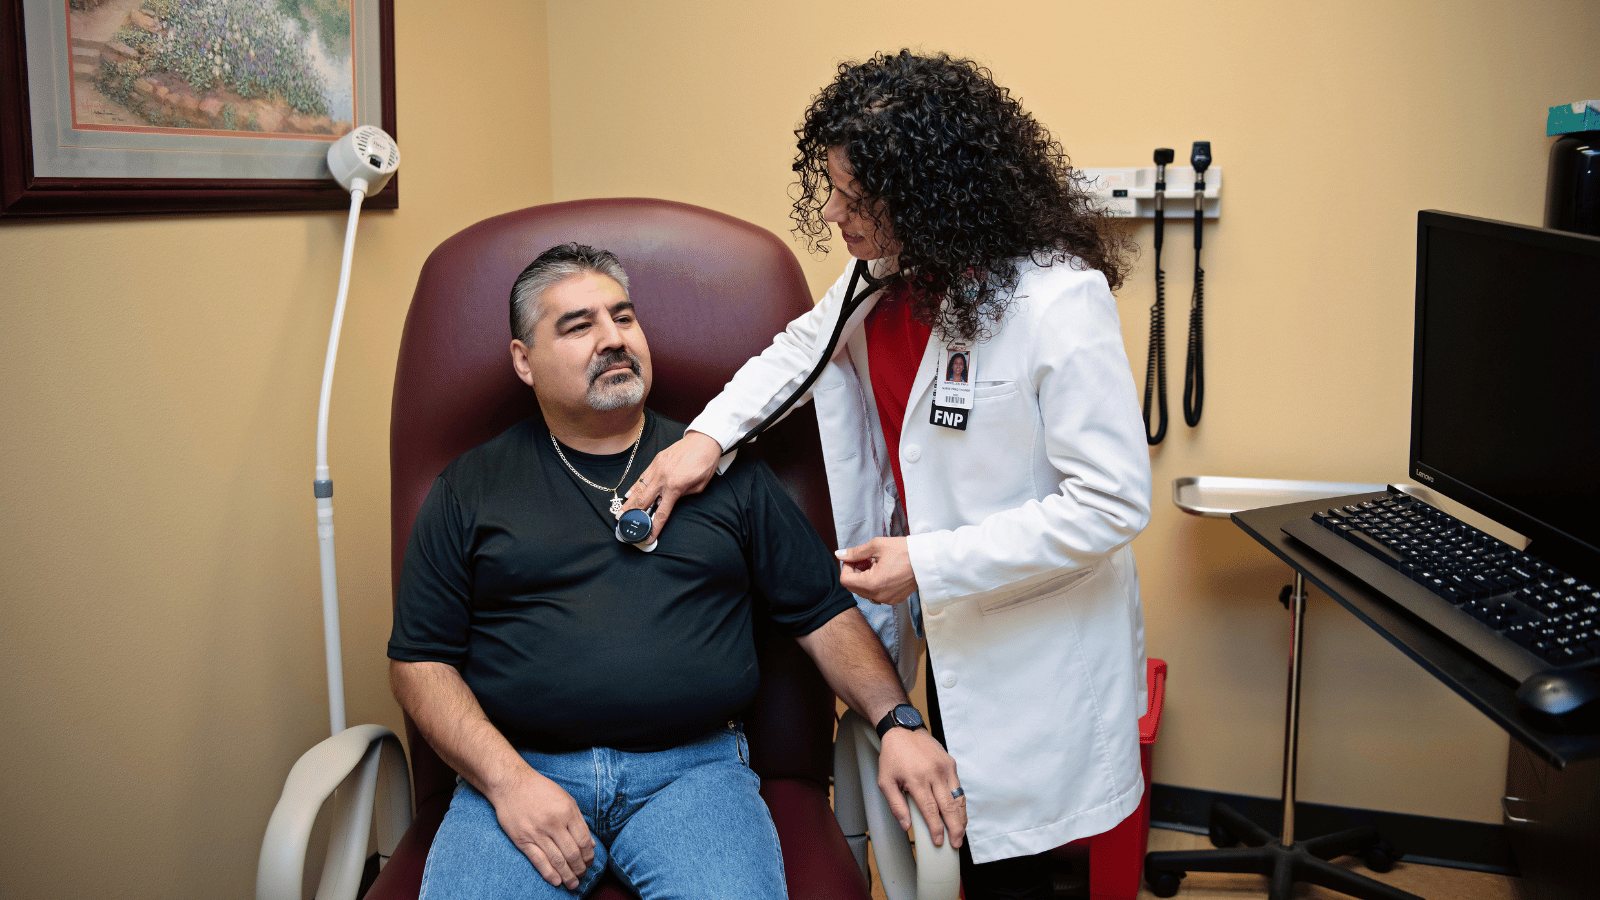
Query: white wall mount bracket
x=1130, y=192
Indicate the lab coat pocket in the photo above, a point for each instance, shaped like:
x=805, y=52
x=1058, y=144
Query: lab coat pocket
x=1002, y=411
x=988, y=390
x=1049, y=586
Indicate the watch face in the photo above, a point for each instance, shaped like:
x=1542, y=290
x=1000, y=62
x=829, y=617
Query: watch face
x=907, y=717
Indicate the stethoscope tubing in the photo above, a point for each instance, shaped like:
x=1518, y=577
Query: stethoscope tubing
x=852, y=302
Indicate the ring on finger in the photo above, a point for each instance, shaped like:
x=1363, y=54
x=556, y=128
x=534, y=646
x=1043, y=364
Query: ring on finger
x=958, y=793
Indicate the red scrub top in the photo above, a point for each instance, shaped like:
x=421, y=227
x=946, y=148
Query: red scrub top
x=895, y=344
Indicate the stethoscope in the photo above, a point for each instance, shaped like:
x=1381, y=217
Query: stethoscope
x=852, y=302
x=635, y=525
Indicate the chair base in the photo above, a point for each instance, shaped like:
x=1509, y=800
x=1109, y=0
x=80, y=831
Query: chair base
x=1303, y=862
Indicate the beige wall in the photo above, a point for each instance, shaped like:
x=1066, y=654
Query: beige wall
x=162, y=661
x=1334, y=123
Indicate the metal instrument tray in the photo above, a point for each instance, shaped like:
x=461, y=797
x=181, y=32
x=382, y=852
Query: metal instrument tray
x=1219, y=497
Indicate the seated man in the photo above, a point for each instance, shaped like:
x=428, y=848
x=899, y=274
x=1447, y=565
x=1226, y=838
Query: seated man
x=588, y=692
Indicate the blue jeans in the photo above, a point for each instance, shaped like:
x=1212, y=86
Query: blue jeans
x=680, y=823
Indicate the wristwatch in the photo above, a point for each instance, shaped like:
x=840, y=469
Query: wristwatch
x=902, y=716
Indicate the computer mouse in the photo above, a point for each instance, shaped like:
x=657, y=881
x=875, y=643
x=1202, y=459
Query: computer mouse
x=1562, y=693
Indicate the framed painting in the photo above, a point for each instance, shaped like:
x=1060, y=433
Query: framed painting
x=159, y=107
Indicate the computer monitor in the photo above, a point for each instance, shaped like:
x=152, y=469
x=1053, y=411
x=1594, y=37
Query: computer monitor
x=1505, y=408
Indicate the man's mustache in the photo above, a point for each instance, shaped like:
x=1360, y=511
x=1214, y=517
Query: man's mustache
x=609, y=359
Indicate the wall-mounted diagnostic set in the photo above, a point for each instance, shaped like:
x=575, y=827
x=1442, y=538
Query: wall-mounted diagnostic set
x=1150, y=192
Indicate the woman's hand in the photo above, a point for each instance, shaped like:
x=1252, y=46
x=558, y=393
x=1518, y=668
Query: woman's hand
x=685, y=467
x=879, y=570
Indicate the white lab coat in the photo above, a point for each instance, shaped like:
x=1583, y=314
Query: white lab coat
x=1018, y=535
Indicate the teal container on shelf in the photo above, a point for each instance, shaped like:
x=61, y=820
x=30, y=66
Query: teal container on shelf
x=1584, y=115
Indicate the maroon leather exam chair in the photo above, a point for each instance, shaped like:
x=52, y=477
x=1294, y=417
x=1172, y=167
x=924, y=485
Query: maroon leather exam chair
x=711, y=292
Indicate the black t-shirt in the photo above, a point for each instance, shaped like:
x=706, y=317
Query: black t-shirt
x=571, y=639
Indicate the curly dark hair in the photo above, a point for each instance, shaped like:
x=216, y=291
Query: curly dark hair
x=968, y=181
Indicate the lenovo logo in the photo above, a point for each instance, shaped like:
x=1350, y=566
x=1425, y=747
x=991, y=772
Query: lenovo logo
x=1425, y=476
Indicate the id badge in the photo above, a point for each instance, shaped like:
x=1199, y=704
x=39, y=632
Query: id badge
x=952, y=392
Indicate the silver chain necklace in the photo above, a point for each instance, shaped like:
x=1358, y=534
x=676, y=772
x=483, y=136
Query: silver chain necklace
x=616, y=502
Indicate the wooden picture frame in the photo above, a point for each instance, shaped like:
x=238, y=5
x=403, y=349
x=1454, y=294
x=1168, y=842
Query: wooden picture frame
x=211, y=166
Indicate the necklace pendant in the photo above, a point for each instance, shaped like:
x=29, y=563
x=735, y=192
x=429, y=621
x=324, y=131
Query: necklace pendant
x=616, y=505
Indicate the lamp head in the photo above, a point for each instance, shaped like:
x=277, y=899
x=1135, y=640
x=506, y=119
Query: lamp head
x=364, y=159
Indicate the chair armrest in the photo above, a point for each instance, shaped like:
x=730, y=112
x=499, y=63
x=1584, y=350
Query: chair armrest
x=347, y=767
x=862, y=809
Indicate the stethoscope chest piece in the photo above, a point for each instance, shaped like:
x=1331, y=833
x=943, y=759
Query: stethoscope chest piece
x=633, y=527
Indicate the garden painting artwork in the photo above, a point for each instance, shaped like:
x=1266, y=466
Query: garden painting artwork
x=254, y=68
x=179, y=107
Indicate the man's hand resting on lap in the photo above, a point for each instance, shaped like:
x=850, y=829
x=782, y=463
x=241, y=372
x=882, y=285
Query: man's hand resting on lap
x=544, y=823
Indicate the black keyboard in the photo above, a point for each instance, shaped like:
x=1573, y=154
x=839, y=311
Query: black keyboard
x=1507, y=606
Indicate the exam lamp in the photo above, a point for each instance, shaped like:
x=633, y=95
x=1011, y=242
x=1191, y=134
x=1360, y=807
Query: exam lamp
x=362, y=162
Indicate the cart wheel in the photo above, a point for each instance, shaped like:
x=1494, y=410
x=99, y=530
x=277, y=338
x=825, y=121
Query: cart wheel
x=1381, y=857
x=1163, y=884
x=1221, y=836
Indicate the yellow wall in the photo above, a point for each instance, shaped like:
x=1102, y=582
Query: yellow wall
x=1334, y=123
x=161, y=660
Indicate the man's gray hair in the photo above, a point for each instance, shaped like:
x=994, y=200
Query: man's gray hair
x=549, y=269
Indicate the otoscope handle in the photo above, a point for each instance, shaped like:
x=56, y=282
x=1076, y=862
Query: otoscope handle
x=1163, y=156
x=1200, y=158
